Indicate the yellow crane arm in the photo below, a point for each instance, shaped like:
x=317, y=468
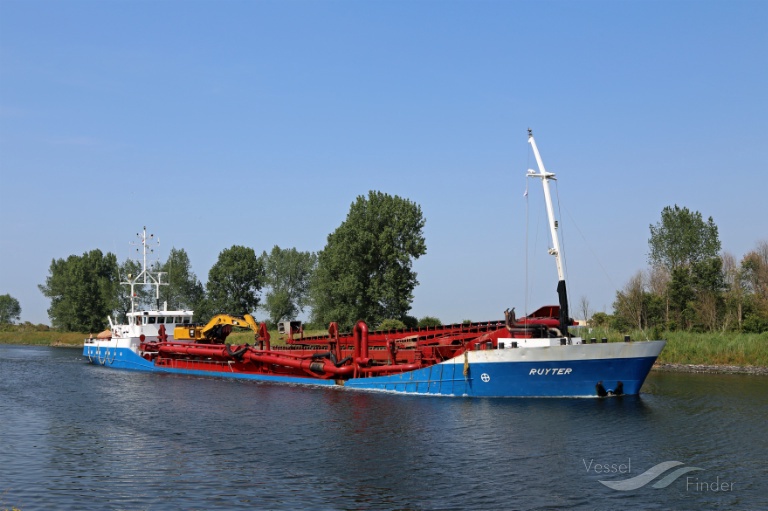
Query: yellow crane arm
x=216, y=330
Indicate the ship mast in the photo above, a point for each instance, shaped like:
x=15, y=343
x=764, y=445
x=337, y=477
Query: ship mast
x=145, y=276
x=555, y=250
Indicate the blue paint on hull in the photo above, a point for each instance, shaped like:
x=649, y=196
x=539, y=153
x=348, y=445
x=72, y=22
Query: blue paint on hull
x=123, y=358
x=514, y=379
x=571, y=378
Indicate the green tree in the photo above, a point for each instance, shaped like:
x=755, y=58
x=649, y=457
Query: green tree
x=600, y=319
x=429, y=321
x=184, y=291
x=630, y=306
x=391, y=324
x=10, y=309
x=708, y=282
x=682, y=238
x=682, y=246
x=655, y=311
x=636, y=306
x=365, y=270
x=754, y=273
x=83, y=291
x=288, y=273
x=234, y=283
x=680, y=300
x=755, y=270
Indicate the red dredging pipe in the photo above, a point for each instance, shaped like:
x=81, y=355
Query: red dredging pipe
x=322, y=368
x=317, y=368
x=204, y=350
x=360, y=333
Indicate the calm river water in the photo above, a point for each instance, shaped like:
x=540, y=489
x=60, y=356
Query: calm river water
x=76, y=436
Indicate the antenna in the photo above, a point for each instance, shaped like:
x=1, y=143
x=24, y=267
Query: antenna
x=146, y=276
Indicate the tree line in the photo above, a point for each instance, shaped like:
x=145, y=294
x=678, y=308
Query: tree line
x=690, y=284
x=364, y=272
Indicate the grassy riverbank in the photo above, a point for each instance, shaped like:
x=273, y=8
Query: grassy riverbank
x=46, y=338
x=716, y=349
x=684, y=348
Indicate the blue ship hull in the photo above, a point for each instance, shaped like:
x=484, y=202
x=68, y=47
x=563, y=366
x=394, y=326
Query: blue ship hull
x=566, y=371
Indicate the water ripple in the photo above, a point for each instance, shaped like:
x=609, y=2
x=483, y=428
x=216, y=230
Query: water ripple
x=76, y=436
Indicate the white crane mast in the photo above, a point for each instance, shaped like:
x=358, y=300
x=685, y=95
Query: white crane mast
x=545, y=177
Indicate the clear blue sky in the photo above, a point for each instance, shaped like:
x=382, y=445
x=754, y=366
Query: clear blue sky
x=258, y=123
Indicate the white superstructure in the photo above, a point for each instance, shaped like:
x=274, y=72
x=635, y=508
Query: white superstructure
x=142, y=325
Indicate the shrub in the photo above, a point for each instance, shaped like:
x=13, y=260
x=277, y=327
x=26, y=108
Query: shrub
x=391, y=324
x=429, y=321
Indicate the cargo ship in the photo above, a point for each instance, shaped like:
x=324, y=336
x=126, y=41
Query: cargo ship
x=532, y=356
